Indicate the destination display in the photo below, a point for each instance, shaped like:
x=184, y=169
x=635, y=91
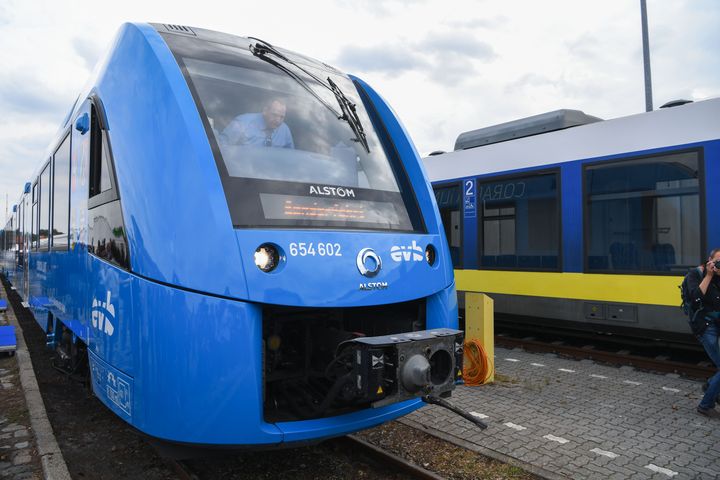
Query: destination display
x=297, y=207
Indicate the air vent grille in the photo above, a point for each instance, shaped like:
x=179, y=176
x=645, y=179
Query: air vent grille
x=182, y=29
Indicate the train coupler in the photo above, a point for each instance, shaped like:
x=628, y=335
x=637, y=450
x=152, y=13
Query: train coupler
x=392, y=368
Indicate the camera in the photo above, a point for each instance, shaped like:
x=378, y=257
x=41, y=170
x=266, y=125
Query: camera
x=717, y=264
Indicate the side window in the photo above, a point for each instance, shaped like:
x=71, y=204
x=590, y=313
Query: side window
x=106, y=231
x=34, y=233
x=44, y=230
x=449, y=204
x=61, y=195
x=643, y=215
x=99, y=167
x=27, y=222
x=11, y=233
x=18, y=232
x=18, y=220
x=519, y=220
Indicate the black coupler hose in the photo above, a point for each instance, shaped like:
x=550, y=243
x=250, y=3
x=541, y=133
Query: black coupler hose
x=445, y=404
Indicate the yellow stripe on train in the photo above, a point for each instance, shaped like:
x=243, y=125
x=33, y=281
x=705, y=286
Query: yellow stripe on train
x=643, y=289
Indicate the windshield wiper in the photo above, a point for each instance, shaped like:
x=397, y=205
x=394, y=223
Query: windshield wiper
x=262, y=50
x=349, y=115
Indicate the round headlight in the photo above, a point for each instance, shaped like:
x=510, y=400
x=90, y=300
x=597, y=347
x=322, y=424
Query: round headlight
x=430, y=255
x=267, y=257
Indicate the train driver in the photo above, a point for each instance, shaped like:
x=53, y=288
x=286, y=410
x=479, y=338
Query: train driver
x=707, y=288
x=263, y=129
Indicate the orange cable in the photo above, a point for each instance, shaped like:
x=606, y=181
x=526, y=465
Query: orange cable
x=477, y=367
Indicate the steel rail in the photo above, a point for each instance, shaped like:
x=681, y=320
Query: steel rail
x=385, y=457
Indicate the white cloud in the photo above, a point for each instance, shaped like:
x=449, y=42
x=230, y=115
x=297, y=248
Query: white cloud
x=88, y=50
x=479, y=23
x=391, y=60
x=444, y=57
x=379, y=8
x=457, y=43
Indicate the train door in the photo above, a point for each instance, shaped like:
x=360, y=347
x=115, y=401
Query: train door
x=80, y=146
x=97, y=225
x=448, y=200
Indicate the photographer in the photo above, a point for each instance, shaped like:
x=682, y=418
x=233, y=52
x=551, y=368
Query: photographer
x=704, y=287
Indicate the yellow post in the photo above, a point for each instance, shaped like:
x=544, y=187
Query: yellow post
x=479, y=325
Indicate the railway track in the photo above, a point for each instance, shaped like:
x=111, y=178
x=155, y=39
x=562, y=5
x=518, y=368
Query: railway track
x=398, y=463
x=620, y=356
x=378, y=460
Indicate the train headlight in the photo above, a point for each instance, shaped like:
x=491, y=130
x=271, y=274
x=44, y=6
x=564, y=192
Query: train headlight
x=430, y=255
x=267, y=257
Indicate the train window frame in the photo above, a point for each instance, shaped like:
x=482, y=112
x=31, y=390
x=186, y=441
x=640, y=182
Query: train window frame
x=556, y=171
x=18, y=232
x=617, y=159
x=18, y=228
x=105, y=202
x=27, y=223
x=66, y=136
x=34, y=222
x=454, y=184
x=21, y=222
x=45, y=246
x=102, y=155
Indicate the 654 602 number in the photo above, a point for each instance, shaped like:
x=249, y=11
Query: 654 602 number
x=304, y=249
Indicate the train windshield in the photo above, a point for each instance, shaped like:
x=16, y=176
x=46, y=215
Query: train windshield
x=285, y=157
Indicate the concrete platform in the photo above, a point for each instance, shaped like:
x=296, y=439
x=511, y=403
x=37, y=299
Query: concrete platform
x=28, y=449
x=18, y=447
x=562, y=418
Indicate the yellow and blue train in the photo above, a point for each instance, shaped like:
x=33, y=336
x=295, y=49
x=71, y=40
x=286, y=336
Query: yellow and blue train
x=239, y=243
x=570, y=221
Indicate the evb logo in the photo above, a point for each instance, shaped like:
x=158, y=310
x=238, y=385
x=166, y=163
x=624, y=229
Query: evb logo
x=103, y=315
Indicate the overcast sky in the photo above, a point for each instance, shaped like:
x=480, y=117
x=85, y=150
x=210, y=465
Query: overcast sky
x=444, y=66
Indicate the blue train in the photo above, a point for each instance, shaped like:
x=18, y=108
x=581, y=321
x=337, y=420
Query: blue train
x=240, y=242
x=570, y=221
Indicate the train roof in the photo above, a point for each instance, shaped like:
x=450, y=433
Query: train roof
x=236, y=41
x=667, y=127
x=524, y=127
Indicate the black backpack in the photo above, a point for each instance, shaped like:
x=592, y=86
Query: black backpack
x=693, y=309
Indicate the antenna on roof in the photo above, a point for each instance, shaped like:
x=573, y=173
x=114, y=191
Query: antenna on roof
x=646, y=57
